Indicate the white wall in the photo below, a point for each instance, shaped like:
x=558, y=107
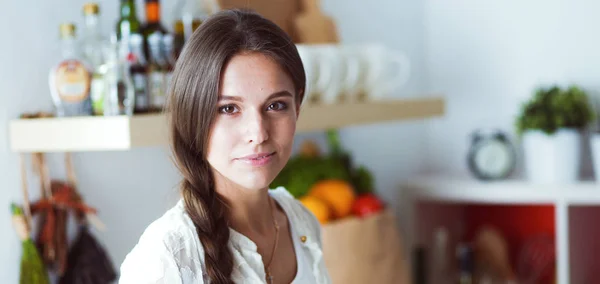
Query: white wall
x=114, y=181
x=487, y=57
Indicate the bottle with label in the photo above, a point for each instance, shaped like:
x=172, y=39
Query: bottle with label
x=139, y=72
x=170, y=60
x=120, y=91
x=93, y=44
x=70, y=79
x=156, y=73
x=128, y=23
x=153, y=24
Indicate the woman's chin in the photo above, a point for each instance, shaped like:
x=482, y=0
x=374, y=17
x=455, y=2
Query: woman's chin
x=257, y=178
x=256, y=185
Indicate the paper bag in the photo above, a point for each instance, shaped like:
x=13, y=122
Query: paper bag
x=367, y=250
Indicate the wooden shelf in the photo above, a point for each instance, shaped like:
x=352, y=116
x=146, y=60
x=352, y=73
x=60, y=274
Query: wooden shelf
x=454, y=190
x=123, y=132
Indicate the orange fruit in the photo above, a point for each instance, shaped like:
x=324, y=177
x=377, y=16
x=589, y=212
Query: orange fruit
x=310, y=149
x=318, y=207
x=338, y=194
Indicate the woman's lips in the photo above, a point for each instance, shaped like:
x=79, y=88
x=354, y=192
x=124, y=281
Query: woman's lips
x=260, y=159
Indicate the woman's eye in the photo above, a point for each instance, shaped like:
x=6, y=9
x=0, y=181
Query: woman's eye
x=228, y=109
x=277, y=106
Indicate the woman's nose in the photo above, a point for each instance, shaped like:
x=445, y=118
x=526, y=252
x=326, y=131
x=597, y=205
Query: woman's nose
x=257, y=130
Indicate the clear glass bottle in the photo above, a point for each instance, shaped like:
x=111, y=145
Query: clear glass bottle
x=156, y=73
x=168, y=53
x=120, y=91
x=189, y=15
x=93, y=44
x=139, y=74
x=70, y=79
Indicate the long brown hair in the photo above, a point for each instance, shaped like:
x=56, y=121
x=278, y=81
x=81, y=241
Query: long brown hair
x=191, y=109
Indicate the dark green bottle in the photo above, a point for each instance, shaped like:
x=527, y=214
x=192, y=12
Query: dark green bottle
x=128, y=22
x=153, y=25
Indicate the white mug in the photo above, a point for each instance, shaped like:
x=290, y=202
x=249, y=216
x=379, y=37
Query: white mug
x=355, y=73
x=310, y=69
x=387, y=70
x=330, y=72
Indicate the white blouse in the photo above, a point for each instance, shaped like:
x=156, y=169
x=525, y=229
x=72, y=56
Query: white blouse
x=169, y=250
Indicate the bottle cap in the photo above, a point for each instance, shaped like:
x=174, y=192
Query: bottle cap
x=67, y=30
x=91, y=8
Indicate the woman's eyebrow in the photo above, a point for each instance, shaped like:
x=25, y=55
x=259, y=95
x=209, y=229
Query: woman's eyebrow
x=280, y=94
x=272, y=96
x=230, y=98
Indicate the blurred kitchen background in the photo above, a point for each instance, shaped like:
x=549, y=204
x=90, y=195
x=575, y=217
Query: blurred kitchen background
x=484, y=58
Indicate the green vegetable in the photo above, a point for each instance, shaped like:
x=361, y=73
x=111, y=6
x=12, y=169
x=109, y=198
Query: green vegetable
x=362, y=180
x=302, y=172
x=553, y=108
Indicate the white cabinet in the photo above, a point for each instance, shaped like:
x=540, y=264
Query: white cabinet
x=431, y=202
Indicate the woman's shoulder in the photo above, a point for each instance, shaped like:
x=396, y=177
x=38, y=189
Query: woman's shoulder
x=166, y=252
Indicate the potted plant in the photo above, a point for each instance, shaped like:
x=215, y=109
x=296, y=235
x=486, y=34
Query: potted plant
x=550, y=125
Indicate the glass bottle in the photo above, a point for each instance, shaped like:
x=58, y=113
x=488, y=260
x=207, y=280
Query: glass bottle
x=441, y=257
x=92, y=45
x=128, y=23
x=156, y=73
x=70, y=79
x=189, y=15
x=170, y=60
x=464, y=254
x=139, y=73
x=120, y=91
x=153, y=23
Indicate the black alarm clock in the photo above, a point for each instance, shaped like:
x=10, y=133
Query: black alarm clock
x=491, y=155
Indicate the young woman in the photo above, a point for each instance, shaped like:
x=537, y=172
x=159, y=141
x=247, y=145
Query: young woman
x=234, y=102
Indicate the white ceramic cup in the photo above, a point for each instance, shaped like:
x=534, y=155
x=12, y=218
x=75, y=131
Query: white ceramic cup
x=387, y=70
x=310, y=69
x=353, y=74
x=356, y=71
x=330, y=72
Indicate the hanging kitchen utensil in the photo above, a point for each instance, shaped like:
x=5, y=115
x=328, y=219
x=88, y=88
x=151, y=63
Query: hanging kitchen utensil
x=33, y=270
x=88, y=262
x=314, y=27
x=51, y=238
x=58, y=200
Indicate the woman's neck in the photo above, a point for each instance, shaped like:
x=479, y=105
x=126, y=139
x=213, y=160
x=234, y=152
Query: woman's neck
x=249, y=211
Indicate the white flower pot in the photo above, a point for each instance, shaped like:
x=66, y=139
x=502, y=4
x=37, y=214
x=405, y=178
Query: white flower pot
x=595, y=149
x=552, y=159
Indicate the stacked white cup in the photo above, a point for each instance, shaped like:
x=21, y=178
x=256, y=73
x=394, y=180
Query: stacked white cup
x=338, y=73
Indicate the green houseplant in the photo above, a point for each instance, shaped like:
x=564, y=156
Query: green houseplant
x=552, y=108
x=550, y=125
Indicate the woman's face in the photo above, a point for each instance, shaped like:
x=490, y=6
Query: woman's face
x=253, y=133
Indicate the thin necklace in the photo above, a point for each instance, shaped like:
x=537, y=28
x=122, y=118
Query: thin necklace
x=269, y=275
